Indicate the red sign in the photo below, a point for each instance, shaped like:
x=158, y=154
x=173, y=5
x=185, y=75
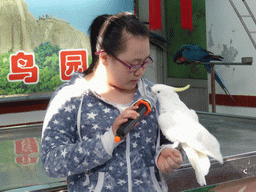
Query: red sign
x=23, y=68
x=72, y=61
x=24, y=148
x=25, y=160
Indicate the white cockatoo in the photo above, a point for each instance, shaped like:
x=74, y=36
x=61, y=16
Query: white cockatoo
x=180, y=125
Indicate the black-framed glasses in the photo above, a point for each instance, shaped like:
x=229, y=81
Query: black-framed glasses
x=133, y=68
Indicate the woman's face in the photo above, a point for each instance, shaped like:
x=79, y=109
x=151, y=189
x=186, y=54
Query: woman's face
x=136, y=51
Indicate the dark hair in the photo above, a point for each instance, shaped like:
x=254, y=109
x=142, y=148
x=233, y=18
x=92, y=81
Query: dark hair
x=94, y=30
x=108, y=31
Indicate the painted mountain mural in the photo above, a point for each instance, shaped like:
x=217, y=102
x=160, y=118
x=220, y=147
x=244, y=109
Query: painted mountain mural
x=44, y=37
x=20, y=30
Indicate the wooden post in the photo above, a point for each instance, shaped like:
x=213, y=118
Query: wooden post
x=213, y=88
x=245, y=61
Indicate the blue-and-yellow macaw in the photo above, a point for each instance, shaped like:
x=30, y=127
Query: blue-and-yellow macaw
x=191, y=53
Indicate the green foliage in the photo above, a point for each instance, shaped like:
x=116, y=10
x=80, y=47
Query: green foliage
x=43, y=51
x=203, y=189
x=46, y=58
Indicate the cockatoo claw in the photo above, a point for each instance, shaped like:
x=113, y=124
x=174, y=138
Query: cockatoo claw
x=176, y=145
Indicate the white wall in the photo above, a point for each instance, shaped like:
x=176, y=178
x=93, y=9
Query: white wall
x=227, y=37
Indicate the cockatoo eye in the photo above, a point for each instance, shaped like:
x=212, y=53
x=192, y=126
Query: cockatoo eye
x=158, y=91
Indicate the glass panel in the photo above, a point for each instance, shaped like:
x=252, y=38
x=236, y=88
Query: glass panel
x=20, y=163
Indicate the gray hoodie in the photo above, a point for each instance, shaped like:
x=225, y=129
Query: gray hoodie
x=78, y=142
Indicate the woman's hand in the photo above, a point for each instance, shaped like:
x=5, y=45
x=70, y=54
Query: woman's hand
x=169, y=160
x=128, y=113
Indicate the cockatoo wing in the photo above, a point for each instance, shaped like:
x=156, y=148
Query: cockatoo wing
x=198, y=137
x=181, y=127
x=199, y=161
x=166, y=123
x=193, y=115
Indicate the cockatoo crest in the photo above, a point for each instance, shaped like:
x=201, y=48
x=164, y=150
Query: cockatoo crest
x=162, y=90
x=170, y=100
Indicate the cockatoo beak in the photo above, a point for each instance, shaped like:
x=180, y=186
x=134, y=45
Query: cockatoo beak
x=180, y=89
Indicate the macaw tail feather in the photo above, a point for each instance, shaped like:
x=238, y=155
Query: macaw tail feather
x=219, y=81
x=217, y=57
x=212, y=58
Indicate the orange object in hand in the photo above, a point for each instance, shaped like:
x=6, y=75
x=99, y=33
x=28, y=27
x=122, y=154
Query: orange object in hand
x=123, y=130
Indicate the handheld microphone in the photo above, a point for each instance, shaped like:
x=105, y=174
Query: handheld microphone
x=122, y=131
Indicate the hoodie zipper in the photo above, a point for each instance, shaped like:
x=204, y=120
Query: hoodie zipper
x=128, y=161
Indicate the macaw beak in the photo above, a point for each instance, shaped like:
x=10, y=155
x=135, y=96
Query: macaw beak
x=180, y=89
x=182, y=59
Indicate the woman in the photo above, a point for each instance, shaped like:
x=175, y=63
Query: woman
x=85, y=113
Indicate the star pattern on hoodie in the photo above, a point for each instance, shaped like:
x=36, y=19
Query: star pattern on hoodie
x=96, y=119
x=95, y=126
x=55, y=122
x=91, y=115
x=64, y=152
x=68, y=109
x=106, y=110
